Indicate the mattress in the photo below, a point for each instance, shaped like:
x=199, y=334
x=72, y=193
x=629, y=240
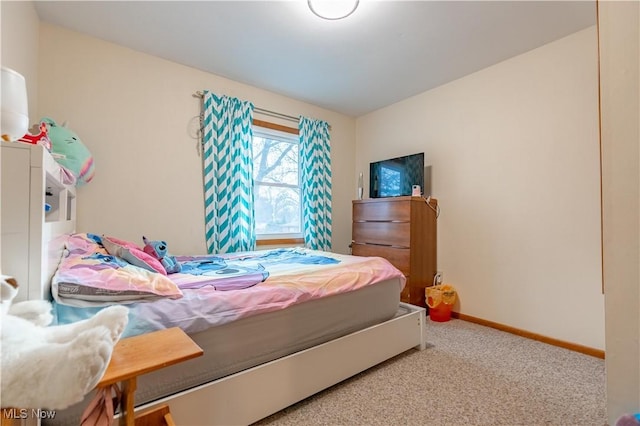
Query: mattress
x=254, y=340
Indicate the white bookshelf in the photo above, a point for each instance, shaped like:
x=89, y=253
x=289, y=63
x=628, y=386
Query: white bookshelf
x=30, y=178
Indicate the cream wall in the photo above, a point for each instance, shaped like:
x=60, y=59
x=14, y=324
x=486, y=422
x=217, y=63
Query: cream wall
x=515, y=168
x=20, y=26
x=19, y=48
x=136, y=114
x=620, y=80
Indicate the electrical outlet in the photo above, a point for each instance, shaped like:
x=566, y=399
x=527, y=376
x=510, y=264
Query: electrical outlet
x=439, y=277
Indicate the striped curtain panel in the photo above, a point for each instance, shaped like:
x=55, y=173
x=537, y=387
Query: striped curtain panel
x=228, y=174
x=315, y=166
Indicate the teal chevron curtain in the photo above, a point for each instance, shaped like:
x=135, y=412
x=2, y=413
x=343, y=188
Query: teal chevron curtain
x=228, y=174
x=315, y=166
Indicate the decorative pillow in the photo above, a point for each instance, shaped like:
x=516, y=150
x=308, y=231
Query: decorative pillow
x=132, y=253
x=69, y=151
x=98, y=279
x=84, y=243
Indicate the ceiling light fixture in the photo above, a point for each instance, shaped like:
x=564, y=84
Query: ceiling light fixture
x=333, y=9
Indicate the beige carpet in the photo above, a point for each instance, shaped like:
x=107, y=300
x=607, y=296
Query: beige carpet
x=469, y=375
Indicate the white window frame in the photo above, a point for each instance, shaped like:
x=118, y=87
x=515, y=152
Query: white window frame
x=288, y=138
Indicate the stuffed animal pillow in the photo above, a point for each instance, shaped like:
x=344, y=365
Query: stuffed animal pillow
x=158, y=249
x=133, y=254
x=69, y=151
x=52, y=367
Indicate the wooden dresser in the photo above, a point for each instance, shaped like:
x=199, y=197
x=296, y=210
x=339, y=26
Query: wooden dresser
x=403, y=231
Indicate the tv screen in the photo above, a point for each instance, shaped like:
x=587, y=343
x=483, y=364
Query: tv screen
x=395, y=177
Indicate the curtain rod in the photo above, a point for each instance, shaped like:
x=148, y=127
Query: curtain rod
x=263, y=111
x=199, y=94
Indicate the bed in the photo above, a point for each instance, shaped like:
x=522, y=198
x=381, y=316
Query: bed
x=256, y=361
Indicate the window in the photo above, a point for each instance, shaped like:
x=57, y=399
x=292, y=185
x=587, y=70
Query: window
x=276, y=178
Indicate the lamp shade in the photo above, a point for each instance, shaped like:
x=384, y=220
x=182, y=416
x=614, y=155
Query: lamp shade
x=15, y=111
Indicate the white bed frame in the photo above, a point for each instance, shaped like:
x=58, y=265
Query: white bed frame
x=258, y=392
x=241, y=398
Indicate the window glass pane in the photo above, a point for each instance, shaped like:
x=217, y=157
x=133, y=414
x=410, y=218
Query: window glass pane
x=277, y=183
x=275, y=161
x=277, y=209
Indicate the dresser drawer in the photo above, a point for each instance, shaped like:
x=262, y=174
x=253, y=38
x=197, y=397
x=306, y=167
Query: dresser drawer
x=382, y=211
x=396, y=234
x=399, y=257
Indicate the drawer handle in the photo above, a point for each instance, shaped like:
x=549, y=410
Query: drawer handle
x=379, y=245
x=381, y=221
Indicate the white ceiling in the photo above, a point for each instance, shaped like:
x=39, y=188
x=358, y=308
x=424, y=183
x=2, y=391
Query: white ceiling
x=385, y=52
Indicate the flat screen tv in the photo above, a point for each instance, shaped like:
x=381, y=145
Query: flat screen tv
x=395, y=177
